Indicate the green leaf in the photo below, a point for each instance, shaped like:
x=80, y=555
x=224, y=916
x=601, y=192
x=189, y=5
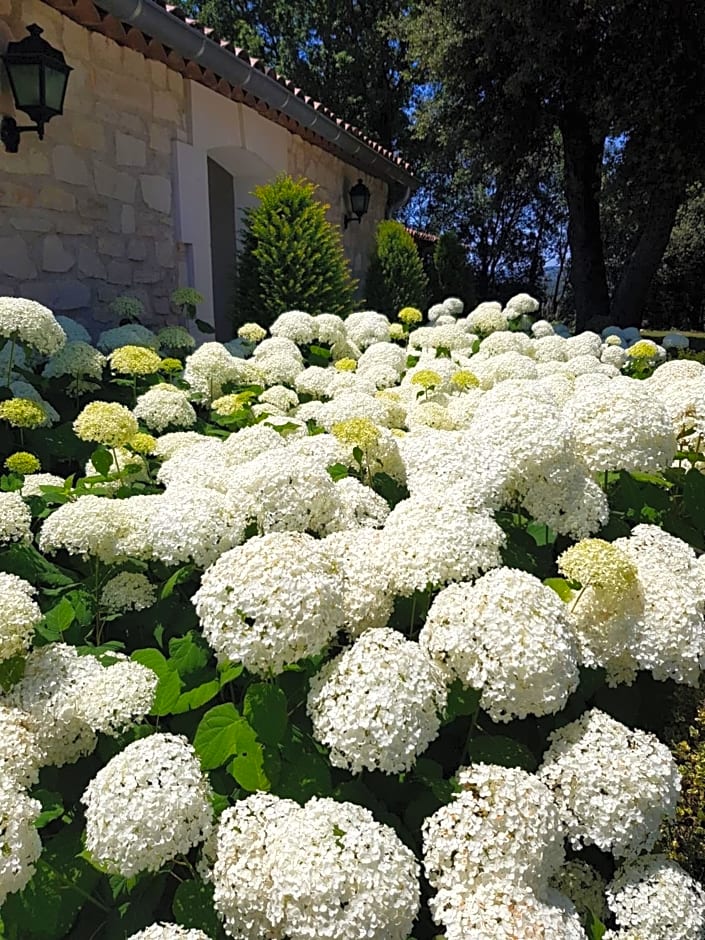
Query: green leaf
x=594, y=927
x=338, y=471
x=461, y=701
x=182, y=574
x=195, y=698
x=561, y=587
x=60, y=617
x=169, y=685
x=188, y=653
x=193, y=908
x=388, y=488
x=203, y=326
x=26, y=562
x=498, y=749
x=228, y=672
x=265, y=708
x=52, y=806
x=102, y=460
x=216, y=737
x=247, y=766
x=304, y=774
x=11, y=671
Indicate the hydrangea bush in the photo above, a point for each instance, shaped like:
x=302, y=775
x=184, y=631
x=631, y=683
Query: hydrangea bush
x=348, y=629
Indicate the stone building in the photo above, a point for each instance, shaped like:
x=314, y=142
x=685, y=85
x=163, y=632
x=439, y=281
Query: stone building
x=139, y=186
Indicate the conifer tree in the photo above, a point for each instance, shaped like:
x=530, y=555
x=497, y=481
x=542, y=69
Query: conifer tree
x=292, y=257
x=395, y=277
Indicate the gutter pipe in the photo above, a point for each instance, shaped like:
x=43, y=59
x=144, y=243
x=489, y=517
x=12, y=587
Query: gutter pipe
x=149, y=17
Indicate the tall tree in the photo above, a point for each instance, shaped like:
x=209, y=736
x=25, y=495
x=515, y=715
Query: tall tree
x=507, y=74
x=345, y=53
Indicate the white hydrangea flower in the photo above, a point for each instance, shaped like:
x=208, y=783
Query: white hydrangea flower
x=15, y=518
x=19, y=615
x=130, y=334
x=584, y=344
x=562, y=495
x=503, y=826
x=435, y=311
x=20, y=845
x=654, y=897
x=549, y=348
x=169, y=444
x=20, y=753
x=541, y=328
x=367, y=600
x=377, y=705
x=356, y=506
x=280, y=397
x=31, y=323
x=164, y=931
x=150, y=803
x=92, y=526
x=271, y=601
x=366, y=327
x=614, y=786
x=496, y=909
x=163, y=406
x=486, y=318
x=33, y=483
x=197, y=463
x=521, y=305
x=620, y=425
x=614, y=355
x=508, y=636
x=326, y=869
x=328, y=328
x=75, y=332
x=584, y=885
x=435, y=538
x=314, y=381
x=68, y=699
x=296, y=325
x=278, y=345
x=453, y=306
x=128, y=591
x=441, y=336
x=504, y=341
x=79, y=360
x=429, y=414
x=211, y=367
x=680, y=386
x=278, y=368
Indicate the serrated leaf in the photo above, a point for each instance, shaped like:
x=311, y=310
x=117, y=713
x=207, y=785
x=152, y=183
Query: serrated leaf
x=217, y=735
x=561, y=587
x=60, y=617
x=169, y=685
x=594, y=927
x=338, y=471
x=11, y=671
x=265, y=708
x=188, y=653
x=182, y=574
x=193, y=908
x=195, y=698
x=52, y=806
x=247, y=766
x=102, y=460
x=228, y=672
x=501, y=750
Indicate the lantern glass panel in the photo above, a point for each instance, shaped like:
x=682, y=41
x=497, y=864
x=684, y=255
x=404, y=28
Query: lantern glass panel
x=55, y=80
x=25, y=79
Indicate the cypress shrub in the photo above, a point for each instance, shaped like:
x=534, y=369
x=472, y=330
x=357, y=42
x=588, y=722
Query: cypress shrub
x=395, y=277
x=454, y=277
x=292, y=257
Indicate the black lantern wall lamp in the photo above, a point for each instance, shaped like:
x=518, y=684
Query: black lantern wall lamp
x=359, y=202
x=38, y=76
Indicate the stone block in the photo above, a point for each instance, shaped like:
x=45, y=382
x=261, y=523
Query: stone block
x=59, y=295
x=166, y=107
x=109, y=182
x=90, y=207
x=31, y=220
x=5, y=7
x=87, y=134
x=89, y=264
x=72, y=225
x=160, y=138
x=120, y=272
x=156, y=192
x=56, y=197
x=148, y=274
x=129, y=151
x=127, y=220
x=166, y=253
x=75, y=41
x=112, y=245
x=157, y=74
x=137, y=249
x=32, y=162
x=69, y=166
x=175, y=82
x=55, y=256
x=14, y=258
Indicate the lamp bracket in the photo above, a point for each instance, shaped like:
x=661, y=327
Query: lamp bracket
x=347, y=219
x=10, y=132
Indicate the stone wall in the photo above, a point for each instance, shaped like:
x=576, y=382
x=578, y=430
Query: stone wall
x=334, y=178
x=86, y=214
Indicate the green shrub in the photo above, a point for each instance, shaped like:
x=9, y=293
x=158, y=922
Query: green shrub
x=292, y=257
x=395, y=277
x=453, y=275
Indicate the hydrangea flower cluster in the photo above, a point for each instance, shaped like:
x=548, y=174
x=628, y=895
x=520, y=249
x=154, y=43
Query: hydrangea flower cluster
x=326, y=869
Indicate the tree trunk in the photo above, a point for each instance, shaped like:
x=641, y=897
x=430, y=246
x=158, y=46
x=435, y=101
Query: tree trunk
x=583, y=166
x=633, y=288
